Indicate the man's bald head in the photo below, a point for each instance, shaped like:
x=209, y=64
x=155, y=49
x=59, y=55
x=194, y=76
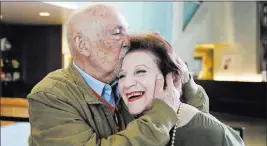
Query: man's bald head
x=96, y=36
x=86, y=19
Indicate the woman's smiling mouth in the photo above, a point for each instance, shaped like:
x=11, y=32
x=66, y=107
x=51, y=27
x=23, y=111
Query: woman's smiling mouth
x=133, y=96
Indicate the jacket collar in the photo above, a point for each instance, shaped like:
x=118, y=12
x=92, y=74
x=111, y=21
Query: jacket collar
x=90, y=97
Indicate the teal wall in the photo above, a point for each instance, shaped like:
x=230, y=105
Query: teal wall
x=148, y=16
x=158, y=17
x=189, y=9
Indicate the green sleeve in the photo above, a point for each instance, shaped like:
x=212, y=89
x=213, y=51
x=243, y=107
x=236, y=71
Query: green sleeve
x=231, y=138
x=54, y=122
x=196, y=96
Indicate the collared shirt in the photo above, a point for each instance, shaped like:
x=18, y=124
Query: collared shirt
x=102, y=89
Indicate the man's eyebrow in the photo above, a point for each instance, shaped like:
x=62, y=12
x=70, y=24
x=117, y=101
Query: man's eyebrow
x=115, y=27
x=119, y=26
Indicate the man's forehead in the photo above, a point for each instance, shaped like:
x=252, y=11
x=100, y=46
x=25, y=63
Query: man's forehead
x=116, y=21
x=108, y=19
x=123, y=20
x=115, y=26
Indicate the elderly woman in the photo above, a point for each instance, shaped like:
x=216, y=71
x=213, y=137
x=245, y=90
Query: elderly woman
x=148, y=56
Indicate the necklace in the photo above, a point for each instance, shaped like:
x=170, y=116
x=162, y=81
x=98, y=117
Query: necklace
x=176, y=125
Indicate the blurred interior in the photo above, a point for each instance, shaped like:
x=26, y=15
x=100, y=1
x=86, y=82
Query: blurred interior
x=223, y=44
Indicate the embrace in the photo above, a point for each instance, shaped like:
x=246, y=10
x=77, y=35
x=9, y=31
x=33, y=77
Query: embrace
x=121, y=90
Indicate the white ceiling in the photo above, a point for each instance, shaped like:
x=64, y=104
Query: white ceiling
x=28, y=13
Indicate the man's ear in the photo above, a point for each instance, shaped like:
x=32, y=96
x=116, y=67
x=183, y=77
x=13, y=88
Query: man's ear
x=81, y=46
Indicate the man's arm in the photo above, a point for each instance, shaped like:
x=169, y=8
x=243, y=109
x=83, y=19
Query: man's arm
x=195, y=95
x=54, y=122
x=232, y=138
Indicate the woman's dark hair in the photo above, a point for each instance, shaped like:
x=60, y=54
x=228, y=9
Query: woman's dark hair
x=160, y=48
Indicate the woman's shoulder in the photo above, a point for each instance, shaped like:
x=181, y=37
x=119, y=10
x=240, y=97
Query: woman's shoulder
x=206, y=129
x=201, y=130
x=204, y=123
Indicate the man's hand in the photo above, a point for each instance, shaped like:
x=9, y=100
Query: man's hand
x=185, y=72
x=170, y=95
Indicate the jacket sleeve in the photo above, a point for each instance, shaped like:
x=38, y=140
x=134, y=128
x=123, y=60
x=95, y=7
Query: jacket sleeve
x=54, y=122
x=196, y=96
x=231, y=138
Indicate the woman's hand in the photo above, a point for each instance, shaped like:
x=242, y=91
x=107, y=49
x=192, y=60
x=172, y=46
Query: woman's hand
x=170, y=95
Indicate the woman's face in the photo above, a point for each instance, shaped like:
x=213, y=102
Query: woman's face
x=137, y=80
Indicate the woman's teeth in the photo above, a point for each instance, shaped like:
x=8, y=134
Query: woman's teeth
x=136, y=94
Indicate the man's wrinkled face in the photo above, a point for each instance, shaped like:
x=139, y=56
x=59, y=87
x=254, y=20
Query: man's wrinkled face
x=109, y=42
x=137, y=80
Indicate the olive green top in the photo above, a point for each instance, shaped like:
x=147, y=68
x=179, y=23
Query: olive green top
x=205, y=130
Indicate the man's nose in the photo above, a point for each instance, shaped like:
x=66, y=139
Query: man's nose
x=126, y=40
x=126, y=37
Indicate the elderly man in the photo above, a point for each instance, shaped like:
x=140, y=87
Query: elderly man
x=79, y=106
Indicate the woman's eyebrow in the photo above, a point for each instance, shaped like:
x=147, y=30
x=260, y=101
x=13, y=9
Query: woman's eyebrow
x=143, y=66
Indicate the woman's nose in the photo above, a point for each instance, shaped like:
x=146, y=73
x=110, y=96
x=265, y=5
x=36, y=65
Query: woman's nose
x=129, y=82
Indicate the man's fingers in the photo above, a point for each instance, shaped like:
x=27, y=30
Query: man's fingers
x=158, y=85
x=169, y=81
x=181, y=63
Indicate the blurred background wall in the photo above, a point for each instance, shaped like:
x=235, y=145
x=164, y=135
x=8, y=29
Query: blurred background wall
x=221, y=42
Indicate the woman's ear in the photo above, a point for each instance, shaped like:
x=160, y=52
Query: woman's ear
x=81, y=46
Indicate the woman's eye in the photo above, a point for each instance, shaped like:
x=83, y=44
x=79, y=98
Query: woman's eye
x=121, y=76
x=140, y=71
